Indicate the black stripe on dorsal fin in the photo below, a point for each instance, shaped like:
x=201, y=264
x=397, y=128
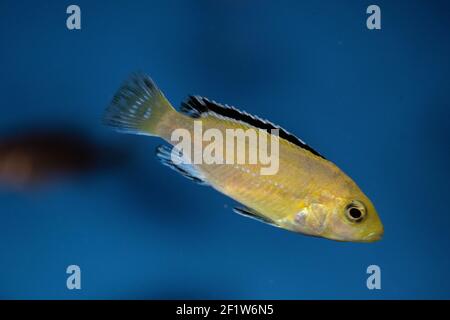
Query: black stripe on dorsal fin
x=196, y=106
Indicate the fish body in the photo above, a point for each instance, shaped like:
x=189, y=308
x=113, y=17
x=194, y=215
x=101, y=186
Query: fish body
x=308, y=193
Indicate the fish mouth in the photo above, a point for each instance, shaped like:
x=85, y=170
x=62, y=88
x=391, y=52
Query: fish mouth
x=373, y=236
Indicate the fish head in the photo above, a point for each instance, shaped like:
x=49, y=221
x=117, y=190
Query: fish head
x=354, y=219
x=350, y=218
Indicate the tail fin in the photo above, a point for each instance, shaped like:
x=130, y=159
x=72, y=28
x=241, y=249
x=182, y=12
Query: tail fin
x=137, y=107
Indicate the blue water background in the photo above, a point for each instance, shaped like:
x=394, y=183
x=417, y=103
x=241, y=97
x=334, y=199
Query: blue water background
x=374, y=102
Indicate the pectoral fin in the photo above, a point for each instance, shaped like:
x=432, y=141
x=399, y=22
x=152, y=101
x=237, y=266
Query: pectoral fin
x=253, y=214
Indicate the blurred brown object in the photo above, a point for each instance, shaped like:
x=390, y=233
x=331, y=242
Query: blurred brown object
x=39, y=156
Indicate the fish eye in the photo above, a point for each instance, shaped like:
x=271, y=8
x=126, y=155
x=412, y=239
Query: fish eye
x=355, y=211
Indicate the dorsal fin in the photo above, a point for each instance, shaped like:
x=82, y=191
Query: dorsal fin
x=196, y=106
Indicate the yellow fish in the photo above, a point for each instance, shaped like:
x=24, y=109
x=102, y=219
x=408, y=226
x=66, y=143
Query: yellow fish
x=308, y=194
